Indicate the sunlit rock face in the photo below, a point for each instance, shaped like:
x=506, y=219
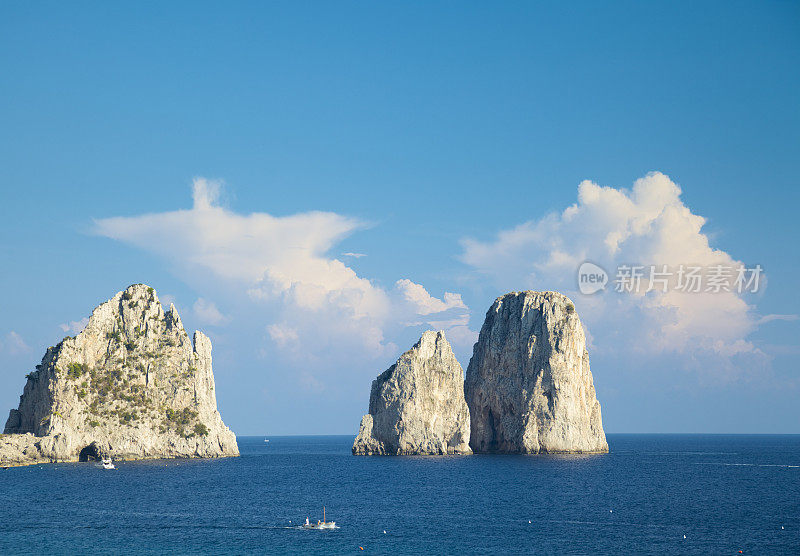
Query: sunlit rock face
x=528, y=386
x=131, y=385
x=417, y=405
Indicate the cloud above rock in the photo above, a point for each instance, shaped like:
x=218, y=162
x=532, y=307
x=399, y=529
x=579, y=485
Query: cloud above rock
x=646, y=225
x=313, y=303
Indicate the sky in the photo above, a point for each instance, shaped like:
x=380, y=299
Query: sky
x=315, y=184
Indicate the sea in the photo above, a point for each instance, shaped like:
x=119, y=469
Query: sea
x=652, y=494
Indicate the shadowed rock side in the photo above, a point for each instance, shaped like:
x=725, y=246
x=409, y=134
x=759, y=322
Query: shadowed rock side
x=528, y=385
x=417, y=405
x=131, y=385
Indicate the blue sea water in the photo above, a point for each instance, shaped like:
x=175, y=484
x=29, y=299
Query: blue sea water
x=725, y=493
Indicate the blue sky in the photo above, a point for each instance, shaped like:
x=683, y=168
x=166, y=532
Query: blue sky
x=407, y=133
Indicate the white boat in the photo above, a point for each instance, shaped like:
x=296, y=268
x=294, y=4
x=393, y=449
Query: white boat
x=320, y=524
x=106, y=463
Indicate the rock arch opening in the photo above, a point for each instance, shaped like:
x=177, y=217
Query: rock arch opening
x=90, y=453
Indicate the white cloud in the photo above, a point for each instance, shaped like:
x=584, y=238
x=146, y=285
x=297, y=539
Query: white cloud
x=240, y=248
x=282, y=335
x=422, y=302
x=314, y=308
x=13, y=344
x=769, y=318
x=206, y=193
x=74, y=326
x=354, y=255
x=207, y=312
x=649, y=224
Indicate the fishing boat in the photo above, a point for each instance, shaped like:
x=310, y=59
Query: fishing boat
x=320, y=524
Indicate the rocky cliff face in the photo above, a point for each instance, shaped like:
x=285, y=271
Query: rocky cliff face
x=528, y=385
x=417, y=405
x=131, y=385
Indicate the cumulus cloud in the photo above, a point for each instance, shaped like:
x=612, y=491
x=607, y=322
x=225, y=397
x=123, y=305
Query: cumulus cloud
x=207, y=312
x=75, y=327
x=647, y=225
x=312, y=305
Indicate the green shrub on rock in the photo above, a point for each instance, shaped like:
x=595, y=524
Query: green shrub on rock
x=75, y=370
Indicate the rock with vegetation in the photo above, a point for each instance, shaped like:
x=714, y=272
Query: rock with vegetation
x=417, y=405
x=528, y=386
x=131, y=385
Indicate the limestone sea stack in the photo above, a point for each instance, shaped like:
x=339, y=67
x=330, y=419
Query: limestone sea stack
x=528, y=386
x=131, y=385
x=417, y=405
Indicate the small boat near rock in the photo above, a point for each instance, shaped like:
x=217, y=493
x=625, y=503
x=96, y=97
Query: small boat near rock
x=106, y=463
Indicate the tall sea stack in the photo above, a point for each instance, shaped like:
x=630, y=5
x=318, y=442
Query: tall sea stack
x=417, y=405
x=131, y=385
x=528, y=386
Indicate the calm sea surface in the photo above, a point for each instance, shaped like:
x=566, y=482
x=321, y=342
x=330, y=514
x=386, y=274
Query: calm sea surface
x=725, y=493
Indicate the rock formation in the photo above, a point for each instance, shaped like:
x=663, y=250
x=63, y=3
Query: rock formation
x=131, y=385
x=528, y=385
x=417, y=405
